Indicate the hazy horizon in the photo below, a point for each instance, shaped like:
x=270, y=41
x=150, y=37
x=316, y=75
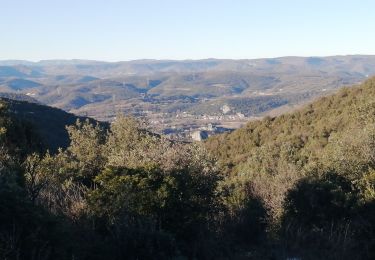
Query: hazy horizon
x=183, y=59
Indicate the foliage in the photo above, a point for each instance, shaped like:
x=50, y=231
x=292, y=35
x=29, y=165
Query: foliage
x=313, y=172
x=299, y=185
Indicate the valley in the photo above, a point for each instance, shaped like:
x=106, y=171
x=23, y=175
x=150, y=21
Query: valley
x=182, y=98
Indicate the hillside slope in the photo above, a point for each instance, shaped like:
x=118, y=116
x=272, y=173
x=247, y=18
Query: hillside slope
x=313, y=171
x=307, y=129
x=48, y=123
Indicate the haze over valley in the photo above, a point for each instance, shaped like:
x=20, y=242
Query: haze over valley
x=178, y=98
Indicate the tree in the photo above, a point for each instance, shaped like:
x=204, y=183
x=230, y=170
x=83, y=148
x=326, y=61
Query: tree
x=86, y=149
x=181, y=200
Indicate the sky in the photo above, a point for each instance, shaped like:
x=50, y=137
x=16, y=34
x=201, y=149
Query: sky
x=114, y=30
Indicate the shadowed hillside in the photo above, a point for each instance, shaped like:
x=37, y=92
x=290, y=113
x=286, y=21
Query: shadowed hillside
x=48, y=122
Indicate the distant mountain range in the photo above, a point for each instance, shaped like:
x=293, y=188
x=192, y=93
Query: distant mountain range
x=103, y=89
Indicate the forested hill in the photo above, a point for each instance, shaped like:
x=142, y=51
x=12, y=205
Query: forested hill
x=298, y=186
x=308, y=130
x=313, y=171
x=47, y=123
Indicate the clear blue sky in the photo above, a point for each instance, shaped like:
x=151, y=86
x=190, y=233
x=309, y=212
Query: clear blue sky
x=184, y=29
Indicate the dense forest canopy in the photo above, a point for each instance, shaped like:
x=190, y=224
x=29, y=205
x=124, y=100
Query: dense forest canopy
x=301, y=185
